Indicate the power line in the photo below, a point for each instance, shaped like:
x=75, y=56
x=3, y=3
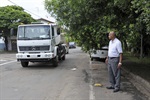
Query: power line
x=25, y=9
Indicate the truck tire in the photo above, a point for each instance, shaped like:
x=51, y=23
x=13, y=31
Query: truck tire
x=64, y=57
x=24, y=64
x=91, y=59
x=55, y=61
x=59, y=58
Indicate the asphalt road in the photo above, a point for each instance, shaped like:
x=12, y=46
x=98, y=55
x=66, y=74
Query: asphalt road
x=73, y=79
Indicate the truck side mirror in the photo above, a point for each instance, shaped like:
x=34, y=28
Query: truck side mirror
x=11, y=31
x=53, y=37
x=58, y=31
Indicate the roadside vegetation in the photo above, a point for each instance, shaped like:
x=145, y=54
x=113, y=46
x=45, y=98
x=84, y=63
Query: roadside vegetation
x=137, y=66
x=89, y=21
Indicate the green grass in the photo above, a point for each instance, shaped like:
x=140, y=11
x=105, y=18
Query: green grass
x=137, y=66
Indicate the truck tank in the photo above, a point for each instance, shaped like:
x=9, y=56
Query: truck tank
x=60, y=39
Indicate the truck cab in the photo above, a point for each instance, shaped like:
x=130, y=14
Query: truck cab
x=39, y=43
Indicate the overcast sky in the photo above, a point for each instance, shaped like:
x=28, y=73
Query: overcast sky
x=36, y=7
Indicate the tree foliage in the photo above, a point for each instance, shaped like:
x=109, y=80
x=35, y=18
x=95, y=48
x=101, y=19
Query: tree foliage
x=89, y=21
x=10, y=18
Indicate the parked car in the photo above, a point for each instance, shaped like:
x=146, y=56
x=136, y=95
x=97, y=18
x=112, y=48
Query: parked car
x=101, y=53
x=72, y=45
x=66, y=48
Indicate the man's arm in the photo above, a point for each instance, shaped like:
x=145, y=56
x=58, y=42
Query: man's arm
x=120, y=60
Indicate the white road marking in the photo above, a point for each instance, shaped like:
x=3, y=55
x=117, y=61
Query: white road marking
x=2, y=60
x=91, y=91
x=8, y=62
x=92, y=96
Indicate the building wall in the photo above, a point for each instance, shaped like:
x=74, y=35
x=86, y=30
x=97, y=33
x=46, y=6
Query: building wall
x=42, y=21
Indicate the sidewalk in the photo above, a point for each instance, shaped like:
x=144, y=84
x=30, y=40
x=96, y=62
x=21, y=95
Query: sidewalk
x=99, y=74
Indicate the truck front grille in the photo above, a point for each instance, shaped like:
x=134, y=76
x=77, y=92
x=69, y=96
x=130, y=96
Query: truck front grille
x=34, y=48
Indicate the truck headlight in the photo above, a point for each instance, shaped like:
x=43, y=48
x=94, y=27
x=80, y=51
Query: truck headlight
x=19, y=56
x=47, y=55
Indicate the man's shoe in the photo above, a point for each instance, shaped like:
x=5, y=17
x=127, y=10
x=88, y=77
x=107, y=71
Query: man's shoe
x=116, y=90
x=110, y=87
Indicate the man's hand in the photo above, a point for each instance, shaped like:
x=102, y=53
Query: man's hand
x=119, y=65
x=106, y=61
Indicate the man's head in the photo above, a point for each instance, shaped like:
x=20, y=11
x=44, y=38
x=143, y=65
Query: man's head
x=112, y=35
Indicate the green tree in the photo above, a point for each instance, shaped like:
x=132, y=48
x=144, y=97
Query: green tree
x=142, y=25
x=11, y=17
x=85, y=23
x=89, y=20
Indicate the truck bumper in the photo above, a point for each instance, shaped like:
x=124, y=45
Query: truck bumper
x=38, y=57
x=98, y=56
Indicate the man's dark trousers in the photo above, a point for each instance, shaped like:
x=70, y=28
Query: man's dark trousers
x=114, y=72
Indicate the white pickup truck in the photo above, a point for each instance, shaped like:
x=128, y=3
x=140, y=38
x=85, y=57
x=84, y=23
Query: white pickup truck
x=39, y=43
x=100, y=53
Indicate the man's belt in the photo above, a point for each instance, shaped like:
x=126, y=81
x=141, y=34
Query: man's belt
x=113, y=57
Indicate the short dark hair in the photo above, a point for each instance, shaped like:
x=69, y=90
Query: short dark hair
x=113, y=32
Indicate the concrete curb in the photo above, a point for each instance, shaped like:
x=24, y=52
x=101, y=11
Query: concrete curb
x=141, y=84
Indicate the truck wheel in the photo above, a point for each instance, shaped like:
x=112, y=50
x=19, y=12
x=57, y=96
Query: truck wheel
x=91, y=59
x=24, y=64
x=55, y=61
x=59, y=58
x=64, y=57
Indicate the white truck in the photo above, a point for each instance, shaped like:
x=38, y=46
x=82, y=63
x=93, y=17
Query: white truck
x=40, y=43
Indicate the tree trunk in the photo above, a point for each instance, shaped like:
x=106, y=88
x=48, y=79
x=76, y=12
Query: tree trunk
x=141, y=50
x=6, y=42
x=125, y=45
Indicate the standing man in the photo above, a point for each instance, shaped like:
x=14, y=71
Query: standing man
x=114, y=61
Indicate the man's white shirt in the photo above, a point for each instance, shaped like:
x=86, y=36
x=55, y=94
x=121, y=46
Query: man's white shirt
x=115, y=48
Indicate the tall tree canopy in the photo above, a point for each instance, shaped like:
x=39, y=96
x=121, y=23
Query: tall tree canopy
x=89, y=21
x=11, y=17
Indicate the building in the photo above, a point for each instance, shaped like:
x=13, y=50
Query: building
x=45, y=21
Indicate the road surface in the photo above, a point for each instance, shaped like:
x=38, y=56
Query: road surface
x=73, y=79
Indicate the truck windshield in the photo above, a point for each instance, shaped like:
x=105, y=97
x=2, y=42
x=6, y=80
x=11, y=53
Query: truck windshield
x=34, y=32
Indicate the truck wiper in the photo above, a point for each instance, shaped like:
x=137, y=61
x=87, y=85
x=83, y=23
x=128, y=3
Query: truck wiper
x=24, y=38
x=39, y=38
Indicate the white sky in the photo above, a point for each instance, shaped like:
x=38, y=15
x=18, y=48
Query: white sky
x=34, y=6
